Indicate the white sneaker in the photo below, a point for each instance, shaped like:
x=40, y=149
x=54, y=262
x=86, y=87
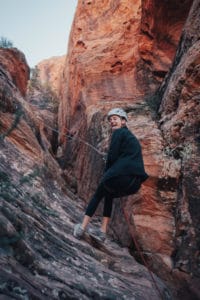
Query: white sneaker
x=97, y=234
x=78, y=231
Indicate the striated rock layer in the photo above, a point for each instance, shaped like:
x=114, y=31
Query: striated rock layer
x=14, y=62
x=39, y=257
x=119, y=54
x=180, y=120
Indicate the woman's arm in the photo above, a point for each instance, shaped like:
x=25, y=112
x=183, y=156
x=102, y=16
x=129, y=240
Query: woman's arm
x=114, y=149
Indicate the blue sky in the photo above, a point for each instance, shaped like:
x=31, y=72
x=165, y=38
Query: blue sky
x=39, y=28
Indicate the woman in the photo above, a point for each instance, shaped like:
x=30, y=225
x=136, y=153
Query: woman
x=123, y=174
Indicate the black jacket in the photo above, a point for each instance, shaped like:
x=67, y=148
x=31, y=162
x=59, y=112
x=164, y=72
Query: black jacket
x=124, y=156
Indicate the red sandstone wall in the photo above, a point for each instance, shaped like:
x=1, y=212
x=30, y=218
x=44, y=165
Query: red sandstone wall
x=119, y=53
x=14, y=62
x=51, y=72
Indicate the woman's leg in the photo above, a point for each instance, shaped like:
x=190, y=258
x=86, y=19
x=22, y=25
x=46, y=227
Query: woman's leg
x=91, y=208
x=104, y=224
x=86, y=221
x=94, y=202
x=107, y=210
x=108, y=202
x=115, y=186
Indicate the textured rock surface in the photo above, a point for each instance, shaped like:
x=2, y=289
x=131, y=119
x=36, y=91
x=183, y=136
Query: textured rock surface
x=161, y=26
x=39, y=257
x=180, y=120
x=14, y=62
x=51, y=71
x=108, y=52
x=119, y=53
x=43, y=95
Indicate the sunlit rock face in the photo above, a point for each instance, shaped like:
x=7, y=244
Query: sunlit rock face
x=114, y=47
x=119, y=54
x=14, y=61
x=51, y=71
x=43, y=94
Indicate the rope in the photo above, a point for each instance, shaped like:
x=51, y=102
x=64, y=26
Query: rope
x=70, y=136
x=143, y=259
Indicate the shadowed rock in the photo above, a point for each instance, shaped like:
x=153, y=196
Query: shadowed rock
x=39, y=257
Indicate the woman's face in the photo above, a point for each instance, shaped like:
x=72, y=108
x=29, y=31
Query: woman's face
x=116, y=122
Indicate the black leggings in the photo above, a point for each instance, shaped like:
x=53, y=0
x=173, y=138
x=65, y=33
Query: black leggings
x=115, y=187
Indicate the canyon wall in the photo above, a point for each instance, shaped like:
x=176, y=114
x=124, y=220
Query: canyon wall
x=140, y=55
x=39, y=256
x=127, y=53
x=51, y=71
x=14, y=62
x=179, y=122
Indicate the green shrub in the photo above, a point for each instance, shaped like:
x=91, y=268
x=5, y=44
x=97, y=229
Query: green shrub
x=5, y=43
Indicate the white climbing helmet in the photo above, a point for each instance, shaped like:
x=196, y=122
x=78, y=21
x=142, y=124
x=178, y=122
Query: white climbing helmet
x=118, y=112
